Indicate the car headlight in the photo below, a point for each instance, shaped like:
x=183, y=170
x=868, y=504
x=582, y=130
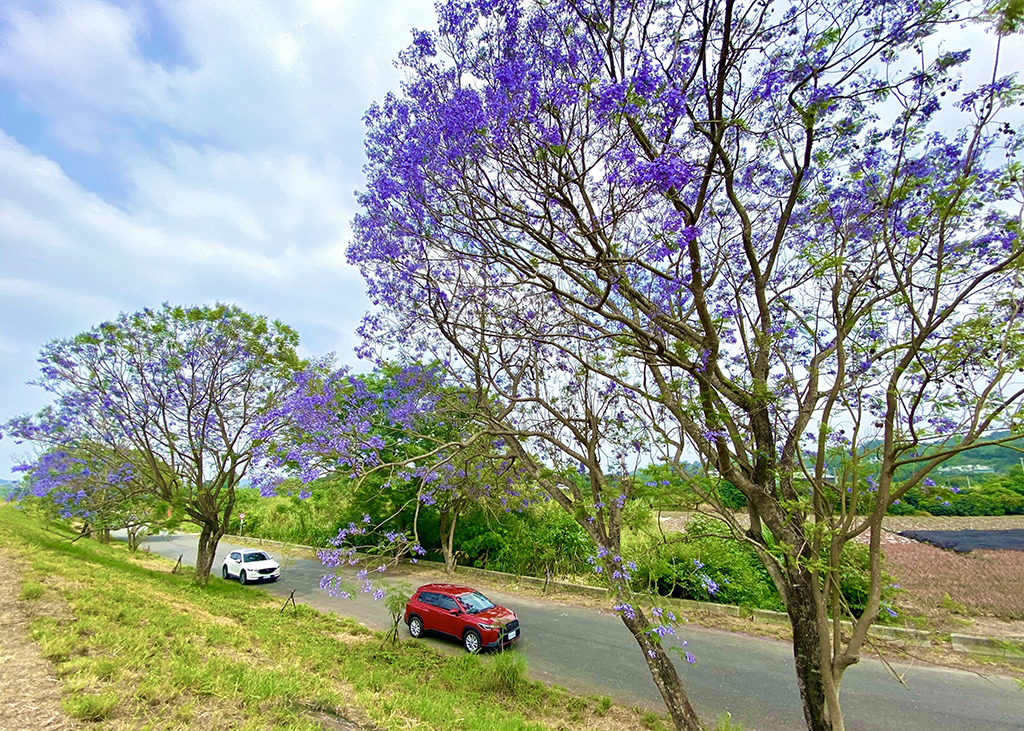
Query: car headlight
x=490, y=626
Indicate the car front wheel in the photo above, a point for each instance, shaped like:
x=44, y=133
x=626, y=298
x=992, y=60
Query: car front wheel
x=242, y=577
x=224, y=571
x=471, y=641
x=415, y=626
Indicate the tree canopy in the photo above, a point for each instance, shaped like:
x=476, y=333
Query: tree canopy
x=171, y=400
x=753, y=234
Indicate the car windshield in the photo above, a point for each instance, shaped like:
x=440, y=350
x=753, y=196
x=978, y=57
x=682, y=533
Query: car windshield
x=475, y=602
x=258, y=556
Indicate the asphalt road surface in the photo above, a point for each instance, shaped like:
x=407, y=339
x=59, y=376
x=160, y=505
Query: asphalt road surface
x=590, y=651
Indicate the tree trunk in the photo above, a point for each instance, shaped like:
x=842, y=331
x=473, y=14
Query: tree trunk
x=448, y=519
x=208, y=540
x=801, y=607
x=664, y=673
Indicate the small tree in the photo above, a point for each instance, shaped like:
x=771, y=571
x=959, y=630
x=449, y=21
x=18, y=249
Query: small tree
x=397, y=597
x=177, y=395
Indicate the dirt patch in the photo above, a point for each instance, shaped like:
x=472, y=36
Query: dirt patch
x=675, y=521
x=952, y=590
x=899, y=523
x=29, y=693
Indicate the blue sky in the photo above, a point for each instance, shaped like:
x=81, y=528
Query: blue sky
x=185, y=151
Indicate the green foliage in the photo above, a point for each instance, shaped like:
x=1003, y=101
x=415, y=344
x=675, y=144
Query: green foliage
x=999, y=496
x=651, y=721
x=90, y=707
x=541, y=540
x=310, y=522
x=671, y=569
x=855, y=582
x=637, y=515
x=949, y=604
x=663, y=487
x=395, y=599
x=1009, y=15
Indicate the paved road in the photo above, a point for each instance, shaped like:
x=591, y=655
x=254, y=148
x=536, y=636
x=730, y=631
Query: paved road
x=752, y=678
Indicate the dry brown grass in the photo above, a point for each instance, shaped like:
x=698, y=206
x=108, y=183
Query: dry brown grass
x=981, y=582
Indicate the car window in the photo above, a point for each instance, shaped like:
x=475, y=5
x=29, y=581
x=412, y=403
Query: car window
x=236, y=556
x=475, y=602
x=256, y=556
x=446, y=602
x=428, y=597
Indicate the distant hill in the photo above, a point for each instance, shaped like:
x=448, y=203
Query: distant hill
x=1000, y=458
x=991, y=460
x=6, y=487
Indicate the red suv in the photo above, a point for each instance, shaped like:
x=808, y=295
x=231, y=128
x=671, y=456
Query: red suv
x=462, y=613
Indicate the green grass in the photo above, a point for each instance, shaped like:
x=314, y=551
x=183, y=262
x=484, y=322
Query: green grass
x=31, y=590
x=139, y=647
x=86, y=707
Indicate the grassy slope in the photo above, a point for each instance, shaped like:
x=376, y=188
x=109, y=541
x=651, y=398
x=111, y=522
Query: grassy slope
x=140, y=648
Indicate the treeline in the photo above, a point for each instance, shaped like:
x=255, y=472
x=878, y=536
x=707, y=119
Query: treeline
x=541, y=540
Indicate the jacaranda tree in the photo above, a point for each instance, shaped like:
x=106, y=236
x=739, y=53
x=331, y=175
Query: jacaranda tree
x=171, y=399
x=101, y=497
x=407, y=439
x=783, y=239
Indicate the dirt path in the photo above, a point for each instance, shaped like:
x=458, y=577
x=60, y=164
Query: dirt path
x=29, y=694
x=677, y=520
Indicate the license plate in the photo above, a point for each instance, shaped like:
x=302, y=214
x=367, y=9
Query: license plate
x=512, y=635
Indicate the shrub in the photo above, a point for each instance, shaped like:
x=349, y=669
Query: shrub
x=540, y=540
x=675, y=569
x=1001, y=496
x=855, y=578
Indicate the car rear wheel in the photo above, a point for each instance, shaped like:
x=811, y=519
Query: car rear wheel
x=242, y=577
x=415, y=626
x=471, y=641
x=224, y=571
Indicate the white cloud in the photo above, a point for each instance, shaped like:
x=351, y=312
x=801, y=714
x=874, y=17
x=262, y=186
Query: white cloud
x=222, y=170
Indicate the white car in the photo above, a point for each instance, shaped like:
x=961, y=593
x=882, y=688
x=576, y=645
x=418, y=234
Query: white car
x=250, y=564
